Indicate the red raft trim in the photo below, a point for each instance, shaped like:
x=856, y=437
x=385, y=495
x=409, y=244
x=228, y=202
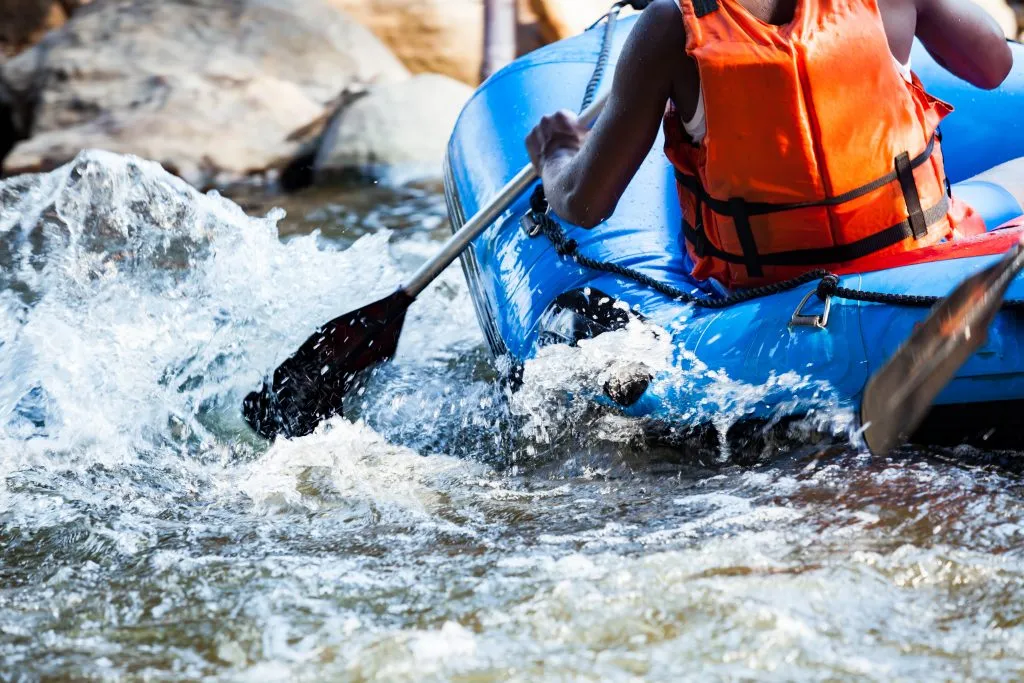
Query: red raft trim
x=995, y=241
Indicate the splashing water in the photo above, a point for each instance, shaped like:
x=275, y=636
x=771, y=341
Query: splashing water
x=147, y=534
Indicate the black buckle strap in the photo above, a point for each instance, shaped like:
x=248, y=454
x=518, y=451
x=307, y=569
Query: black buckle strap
x=908, y=185
x=841, y=253
x=722, y=208
x=702, y=8
x=700, y=241
x=738, y=211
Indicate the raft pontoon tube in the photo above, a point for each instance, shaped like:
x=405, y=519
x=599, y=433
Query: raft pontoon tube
x=796, y=353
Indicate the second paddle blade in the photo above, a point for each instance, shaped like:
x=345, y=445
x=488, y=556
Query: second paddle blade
x=309, y=386
x=899, y=396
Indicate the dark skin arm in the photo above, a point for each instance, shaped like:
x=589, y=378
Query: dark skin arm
x=585, y=174
x=965, y=40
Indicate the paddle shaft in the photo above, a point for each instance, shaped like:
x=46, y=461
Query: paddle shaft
x=512, y=190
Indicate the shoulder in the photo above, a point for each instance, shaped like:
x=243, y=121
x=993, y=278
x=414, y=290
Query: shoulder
x=900, y=18
x=665, y=9
x=656, y=51
x=662, y=17
x=659, y=29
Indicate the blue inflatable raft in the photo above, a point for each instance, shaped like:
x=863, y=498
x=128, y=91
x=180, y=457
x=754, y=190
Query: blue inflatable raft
x=527, y=295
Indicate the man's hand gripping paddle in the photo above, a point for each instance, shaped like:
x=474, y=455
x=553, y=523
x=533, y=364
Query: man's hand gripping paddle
x=898, y=396
x=309, y=386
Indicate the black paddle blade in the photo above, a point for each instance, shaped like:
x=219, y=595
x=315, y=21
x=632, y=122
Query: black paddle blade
x=309, y=386
x=899, y=396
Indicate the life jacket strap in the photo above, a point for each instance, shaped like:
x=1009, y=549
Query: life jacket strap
x=740, y=219
x=908, y=185
x=702, y=8
x=722, y=207
x=840, y=253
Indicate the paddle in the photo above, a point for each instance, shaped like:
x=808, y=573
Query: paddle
x=309, y=386
x=899, y=395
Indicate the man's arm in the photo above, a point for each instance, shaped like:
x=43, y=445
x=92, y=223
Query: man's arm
x=585, y=174
x=964, y=39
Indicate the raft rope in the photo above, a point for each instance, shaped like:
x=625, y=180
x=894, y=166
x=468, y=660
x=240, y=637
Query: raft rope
x=606, y=47
x=828, y=282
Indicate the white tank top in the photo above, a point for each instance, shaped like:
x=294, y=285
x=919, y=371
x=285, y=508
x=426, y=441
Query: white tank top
x=697, y=127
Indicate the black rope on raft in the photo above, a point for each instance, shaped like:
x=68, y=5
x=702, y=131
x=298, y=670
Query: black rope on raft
x=639, y=5
x=914, y=300
x=569, y=248
x=602, y=56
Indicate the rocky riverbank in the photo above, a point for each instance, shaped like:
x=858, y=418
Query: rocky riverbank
x=278, y=92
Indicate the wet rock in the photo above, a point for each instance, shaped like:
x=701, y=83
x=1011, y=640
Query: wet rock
x=214, y=90
x=8, y=133
x=10, y=128
x=24, y=22
x=396, y=132
x=628, y=383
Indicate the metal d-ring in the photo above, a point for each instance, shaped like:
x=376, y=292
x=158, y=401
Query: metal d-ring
x=819, y=321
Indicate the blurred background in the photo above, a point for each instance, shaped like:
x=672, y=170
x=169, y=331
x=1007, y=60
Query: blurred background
x=275, y=94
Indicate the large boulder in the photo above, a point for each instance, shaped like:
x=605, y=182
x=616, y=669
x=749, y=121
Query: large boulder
x=211, y=89
x=396, y=132
x=438, y=36
x=445, y=37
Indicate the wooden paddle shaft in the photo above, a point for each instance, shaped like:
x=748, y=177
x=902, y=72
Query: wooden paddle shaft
x=512, y=190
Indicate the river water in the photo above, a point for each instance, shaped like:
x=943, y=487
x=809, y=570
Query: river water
x=442, y=529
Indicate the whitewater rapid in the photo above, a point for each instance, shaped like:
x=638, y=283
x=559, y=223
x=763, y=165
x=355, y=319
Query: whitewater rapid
x=445, y=528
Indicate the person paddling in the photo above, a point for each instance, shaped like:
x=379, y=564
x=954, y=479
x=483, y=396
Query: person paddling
x=800, y=137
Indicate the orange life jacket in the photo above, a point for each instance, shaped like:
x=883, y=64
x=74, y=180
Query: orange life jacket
x=818, y=153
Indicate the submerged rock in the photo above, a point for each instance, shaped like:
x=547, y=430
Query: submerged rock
x=211, y=89
x=397, y=132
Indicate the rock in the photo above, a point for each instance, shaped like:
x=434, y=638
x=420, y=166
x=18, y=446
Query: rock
x=211, y=89
x=9, y=135
x=396, y=132
x=438, y=36
x=445, y=37
x=530, y=35
x=24, y=22
x=560, y=19
x=72, y=6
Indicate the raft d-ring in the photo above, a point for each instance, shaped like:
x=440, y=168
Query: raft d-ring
x=803, y=320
